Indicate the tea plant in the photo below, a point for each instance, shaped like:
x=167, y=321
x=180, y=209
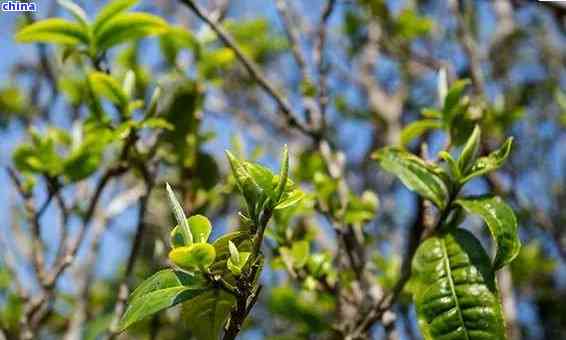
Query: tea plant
x=140, y=129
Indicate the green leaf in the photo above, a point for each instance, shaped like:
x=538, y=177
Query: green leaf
x=300, y=252
x=164, y=289
x=125, y=27
x=176, y=238
x=129, y=84
x=76, y=11
x=110, y=11
x=237, y=260
x=491, y=162
x=247, y=185
x=454, y=289
x=417, y=128
x=55, y=30
x=470, y=151
x=453, y=99
x=281, y=185
x=501, y=222
x=176, y=39
x=106, y=86
x=452, y=164
x=207, y=313
x=153, y=103
x=197, y=256
x=361, y=209
x=82, y=163
x=239, y=238
x=417, y=175
x=200, y=228
x=179, y=214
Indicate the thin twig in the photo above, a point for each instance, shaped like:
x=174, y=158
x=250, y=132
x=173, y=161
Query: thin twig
x=252, y=68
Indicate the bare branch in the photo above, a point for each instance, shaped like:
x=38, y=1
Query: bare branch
x=252, y=68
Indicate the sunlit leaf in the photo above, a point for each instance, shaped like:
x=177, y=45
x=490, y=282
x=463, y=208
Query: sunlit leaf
x=110, y=11
x=491, y=162
x=417, y=175
x=417, y=128
x=454, y=288
x=125, y=27
x=54, y=30
x=107, y=87
x=501, y=222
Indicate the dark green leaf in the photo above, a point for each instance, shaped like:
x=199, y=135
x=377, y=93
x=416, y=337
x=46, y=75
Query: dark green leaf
x=454, y=288
x=501, y=222
x=417, y=175
x=164, y=289
x=207, y=313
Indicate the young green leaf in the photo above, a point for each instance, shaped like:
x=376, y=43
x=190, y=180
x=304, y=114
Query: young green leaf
x=234, y=253
x=470, y=151
x=501, y=222
x=176, y=238
x=237, y=260
x=452, y=99
x=179, y=214
x=106, y=86
x=414, y=173
x=417, y=128
x=125, y=27
x=239, y=238
x=154, y=101
x=129, y=84
x=110, y=11
x=56, y=31
x=452, y=164
x=197, y=256
x=454, y=289
x=280, y=190
x=76, y=11
x=236, y=267
x=207, y=313
x=164, y=289
x=200, y=228
x=491, y=162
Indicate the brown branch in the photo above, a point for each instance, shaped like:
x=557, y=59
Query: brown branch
x=252, y=68
x=34, y=217
x=471, y=47
x=319, y=58
x=123, y=290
